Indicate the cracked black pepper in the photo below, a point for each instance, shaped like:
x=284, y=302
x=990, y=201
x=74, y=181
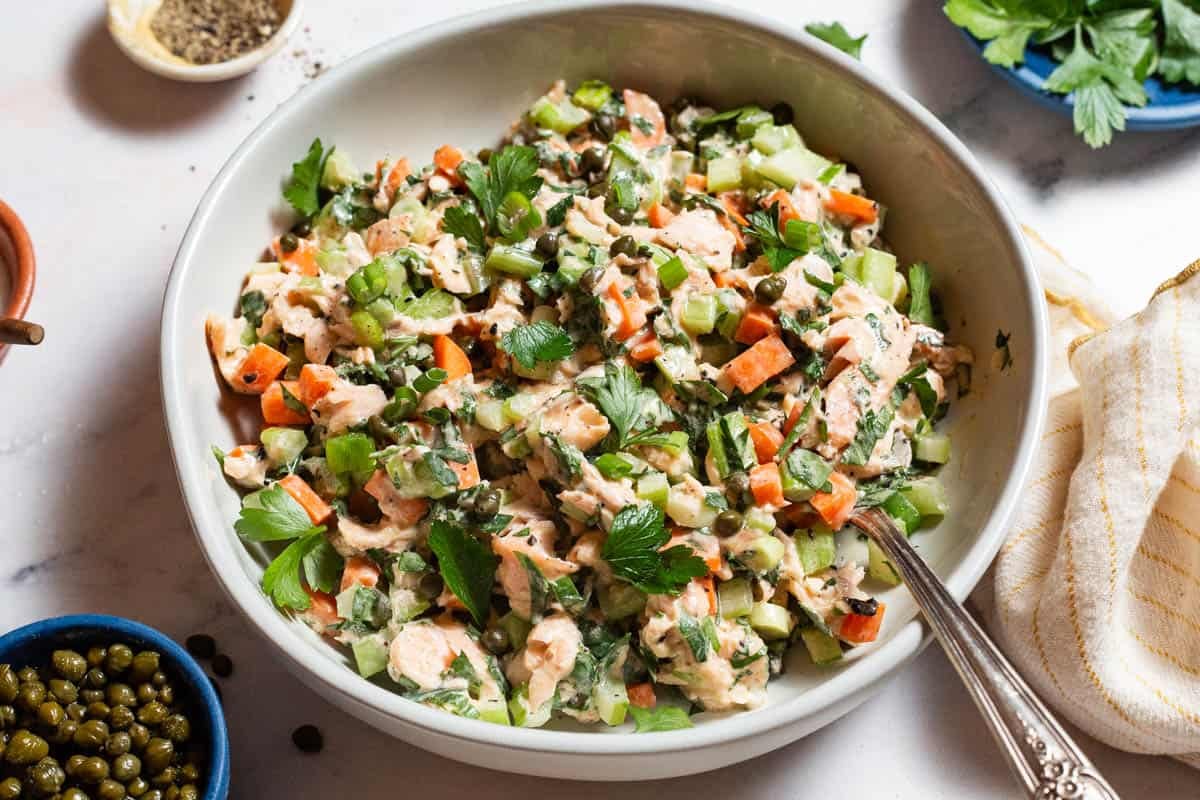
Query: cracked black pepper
x=212, y=31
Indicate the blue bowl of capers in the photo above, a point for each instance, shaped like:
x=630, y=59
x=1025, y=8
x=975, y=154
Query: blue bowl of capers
x=95, y=706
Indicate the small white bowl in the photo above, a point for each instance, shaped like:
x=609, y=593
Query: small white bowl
x=464, y=81
x=129, y=24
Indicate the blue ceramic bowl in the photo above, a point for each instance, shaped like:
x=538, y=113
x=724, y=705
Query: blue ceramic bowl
x=33, y=644
x=1169, y=105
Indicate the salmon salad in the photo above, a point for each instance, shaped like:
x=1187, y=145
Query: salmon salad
x=573, y=426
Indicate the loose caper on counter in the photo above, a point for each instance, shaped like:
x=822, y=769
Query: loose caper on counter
x=103, y=724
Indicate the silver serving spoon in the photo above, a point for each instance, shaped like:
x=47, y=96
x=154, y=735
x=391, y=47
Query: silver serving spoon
x=1044, y=757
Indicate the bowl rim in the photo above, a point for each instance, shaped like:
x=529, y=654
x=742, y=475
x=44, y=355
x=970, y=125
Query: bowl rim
x=217, y=787
x=204, y=73
x=322, y=673
x=1149, y=117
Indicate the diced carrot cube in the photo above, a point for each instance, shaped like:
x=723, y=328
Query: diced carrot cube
x=316, y=380
x=316, y=508
x=642, y=695
x=450, y=357
x=766, y=358
x=259, y=368
x=835, y=507
x=860, y=628
x=361, y=571
x=757, y=323
x=766, y=438
x=766, y=485
x=275, y=409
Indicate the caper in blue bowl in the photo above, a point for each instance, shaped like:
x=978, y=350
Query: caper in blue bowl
x=95, y=706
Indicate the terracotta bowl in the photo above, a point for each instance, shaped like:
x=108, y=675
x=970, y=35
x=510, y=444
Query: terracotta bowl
x=16, y=256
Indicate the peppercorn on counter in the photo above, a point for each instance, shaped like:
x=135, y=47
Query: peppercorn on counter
x=574, y=426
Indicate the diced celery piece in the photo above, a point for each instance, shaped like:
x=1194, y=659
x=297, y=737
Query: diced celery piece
x=571, y=268
x=878, y=272
x=370, y=656
x=421, y=226
x=682, y=164
x=816, y=549
x=750, y=121
x=672, y=273
x=494, y=710
x=620, y=600
x=350, y=453
x=716, y=448
x=750, y=177
x=411, y=610
x=899, y=289
x=516, y=628
x=283, y=445
x=611, y=699
x=822, y=648
x=724, y=174
x=699, y=314
x=676, y=443
x=905, y=513
x=675, y=363
x=654, y=488
x=928, y=496
x=339, y=171
x=383, y=310
x=489, y=414
x=517, y=407
x=789, y=167
x=522, y=715
x=561, y=117
x=759, y=519
x=764, y=554
x=852, y=266
x=770, y=621
x=367, y=330
x=735, y=598
x=433, y=304
x=770, y=139
x=513, y=261
x=718, y=353
x=878, y=566
x=592, y=95
x=516, y=448
x=932, y=448
x=688, y=510
x=345, y=602
x=851, y=545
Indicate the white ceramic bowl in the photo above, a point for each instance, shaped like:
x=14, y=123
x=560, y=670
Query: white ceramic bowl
x=463, y=81
x=129, y=25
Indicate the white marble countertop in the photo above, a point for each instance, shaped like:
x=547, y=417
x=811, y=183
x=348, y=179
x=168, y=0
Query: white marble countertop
x=106, y=164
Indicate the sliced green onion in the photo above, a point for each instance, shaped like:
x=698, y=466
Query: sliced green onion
x=513, y=261
x=430, y=380
x=516, y=217
x=367, y=330
x=592, y=95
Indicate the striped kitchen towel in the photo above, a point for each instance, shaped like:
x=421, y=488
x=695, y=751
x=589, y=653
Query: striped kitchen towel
x=1096, y=592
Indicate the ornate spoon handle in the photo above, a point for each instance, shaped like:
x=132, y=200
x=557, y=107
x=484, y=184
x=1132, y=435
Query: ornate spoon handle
x=1045, y=759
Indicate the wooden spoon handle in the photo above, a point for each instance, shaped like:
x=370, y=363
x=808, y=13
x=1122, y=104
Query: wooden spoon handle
x=18, y=331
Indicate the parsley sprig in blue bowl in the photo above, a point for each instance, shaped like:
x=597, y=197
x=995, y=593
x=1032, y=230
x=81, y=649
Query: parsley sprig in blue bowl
x=1115, y=64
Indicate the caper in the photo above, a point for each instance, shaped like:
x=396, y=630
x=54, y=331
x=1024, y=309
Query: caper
x=153, y=794
x=591, y=160
x=110, y=790
x=302, y=228
x=89, y=696
x=50, y=714
x=28, y=674
x=176, y=728
x=152, y=713
x=158, y=755
x=10, y=789
x=137, y=787
x=73, y=763
x=189, y=773
x=737, y=483
x=10, y=684
x=126, y=767
x=728, y=523
x=74, y=793
x=92, y=770
x=95, y=657
x=381, y=430
x=164, y=778
x=430, y=585
x=25, y=747
x=98, y=710
x=120, y=718
x=189, y=792
x=146, y=693
x=117, y=743
x=589, y=279
x=91, y=735
x=289, y=242
x=487, y=503
x=496, y=641
x=64, y=691
x=120, y=694
x=145, y=664
x=76, y=711
x=166, y=694
x=782, y=114
x=65, y=732
x=8, y=717
x=547, y=244
x=769, y=290
x=31, y=695
x=604, y=126
x=598, y=189
x=45, y=777
x=120, y=656
x=623, y=245
x=139, y=734
x=621, y=216
x=95, y=678
x=484, y=155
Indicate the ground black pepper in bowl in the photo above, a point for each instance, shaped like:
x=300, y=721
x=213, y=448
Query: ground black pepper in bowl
x=212, y=31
